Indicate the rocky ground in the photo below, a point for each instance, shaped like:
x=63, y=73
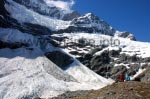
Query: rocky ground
x=69, y=95
x=121, y=90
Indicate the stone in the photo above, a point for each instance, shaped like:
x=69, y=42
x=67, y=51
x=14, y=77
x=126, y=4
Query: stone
x=59, y=58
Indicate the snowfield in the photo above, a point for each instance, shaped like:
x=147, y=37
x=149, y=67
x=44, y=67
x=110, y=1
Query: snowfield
x=25, y=73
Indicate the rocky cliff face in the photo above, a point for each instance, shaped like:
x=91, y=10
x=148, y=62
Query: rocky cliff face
x=106, y=60
x=89, y=23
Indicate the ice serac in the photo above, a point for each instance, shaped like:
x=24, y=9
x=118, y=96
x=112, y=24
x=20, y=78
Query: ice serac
x=43, y=8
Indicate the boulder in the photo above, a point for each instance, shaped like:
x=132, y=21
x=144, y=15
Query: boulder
x=104, y=70
x=127, y=58
x=59, y=58
x=81, y=59
x=14, y=45
x=74, y=52
x=93, y=51
x=99, y=60
x=114, y=53
x=146, y=59
x=87, y=56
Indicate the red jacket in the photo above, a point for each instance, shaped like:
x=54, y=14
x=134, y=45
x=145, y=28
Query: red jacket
x=121, y=77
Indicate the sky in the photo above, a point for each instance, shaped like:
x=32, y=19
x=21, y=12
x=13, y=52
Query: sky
x=123, y=15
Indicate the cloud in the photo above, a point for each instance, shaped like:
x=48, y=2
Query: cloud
x=61, y=3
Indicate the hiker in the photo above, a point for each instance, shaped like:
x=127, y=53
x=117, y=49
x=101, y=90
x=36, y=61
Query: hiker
x=127, y=78
x=121, y=77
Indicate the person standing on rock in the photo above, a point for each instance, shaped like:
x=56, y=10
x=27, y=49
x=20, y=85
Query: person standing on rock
x=121, y=77
x=127, y=78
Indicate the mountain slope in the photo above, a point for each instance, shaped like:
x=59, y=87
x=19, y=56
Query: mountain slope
x=107, y=56
x=26, y=72
x=39, y=51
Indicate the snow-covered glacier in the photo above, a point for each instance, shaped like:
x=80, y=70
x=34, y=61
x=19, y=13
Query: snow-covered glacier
x=27, y=73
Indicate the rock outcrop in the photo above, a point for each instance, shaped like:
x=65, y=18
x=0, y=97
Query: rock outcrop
x=59, y=58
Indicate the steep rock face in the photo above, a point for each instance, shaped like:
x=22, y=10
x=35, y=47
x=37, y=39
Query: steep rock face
x=59, y=58
x=100, y=60
x=91, y=24
x=35, y=29
x=5, y=20
x=126, y=58
x=74, y=29
x=104, y=64
x=12, y=45
x=71, y=16
x=91, y=21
